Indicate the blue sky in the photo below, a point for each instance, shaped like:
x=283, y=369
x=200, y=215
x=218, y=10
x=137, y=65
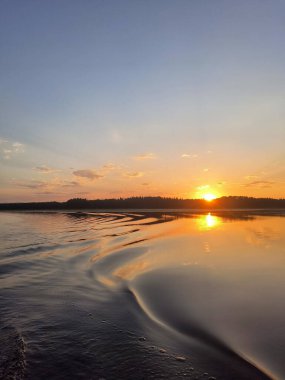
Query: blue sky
x=183, y=94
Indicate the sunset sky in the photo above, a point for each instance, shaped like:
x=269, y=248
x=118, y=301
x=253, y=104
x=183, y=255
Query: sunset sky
x=115, y=98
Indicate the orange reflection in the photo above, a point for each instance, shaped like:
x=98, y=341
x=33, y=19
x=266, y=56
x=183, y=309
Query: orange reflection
x=208, y=222
x=131, y=270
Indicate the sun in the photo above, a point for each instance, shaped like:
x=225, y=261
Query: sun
x=209, y=197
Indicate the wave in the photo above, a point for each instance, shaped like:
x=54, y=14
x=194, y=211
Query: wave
x=178, y=276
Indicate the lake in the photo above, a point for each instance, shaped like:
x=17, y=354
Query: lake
x=142, y=295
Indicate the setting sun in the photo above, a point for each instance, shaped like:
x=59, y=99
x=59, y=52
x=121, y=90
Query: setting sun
x=209, y=197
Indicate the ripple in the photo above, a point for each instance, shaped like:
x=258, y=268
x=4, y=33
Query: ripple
x=136, y=295
x=12, y=359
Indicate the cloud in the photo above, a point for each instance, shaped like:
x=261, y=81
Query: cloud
x=186, y=155
x=145, y=156
x=46, y=193
x=70, y=184
x=17, y=147
x=46, y=186
x=203, y=187
x=3, y=141
x=110, y=166
x=262, y=184
x=32, y=184
x=116, y=136
x=251, y=177
x=87, y=173
x=206, y=170
x=7, y=153
x=134, y=174
x=44, y=169
x=8, y=149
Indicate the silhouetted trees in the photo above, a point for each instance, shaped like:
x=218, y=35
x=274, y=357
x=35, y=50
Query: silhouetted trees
x=231, y=202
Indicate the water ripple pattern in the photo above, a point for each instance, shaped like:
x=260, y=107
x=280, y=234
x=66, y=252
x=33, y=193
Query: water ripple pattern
x=145, y=295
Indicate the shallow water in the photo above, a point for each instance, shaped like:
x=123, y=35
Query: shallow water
x=142, y=295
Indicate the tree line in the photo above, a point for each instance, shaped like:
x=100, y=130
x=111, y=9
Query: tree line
x=230, y=202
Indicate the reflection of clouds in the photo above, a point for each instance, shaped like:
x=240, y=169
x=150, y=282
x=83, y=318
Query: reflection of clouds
x=262, y=237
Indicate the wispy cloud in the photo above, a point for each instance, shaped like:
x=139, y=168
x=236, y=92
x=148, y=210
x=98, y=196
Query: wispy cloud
x=44, y=169
x=3, y=141
x=251, y=177
x=262, y=184
x=46, y=193
x=203, y=187
x=186, y=155
x=134, y=174
x=46, y=185
x=116, y=136
x=145, y=156
x=110, y=166
x=33, y=184
x=87, y=173
x=17, y=147
x=70, y=184
x=8, y=149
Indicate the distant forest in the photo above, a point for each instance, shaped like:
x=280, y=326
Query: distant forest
x=231, y=202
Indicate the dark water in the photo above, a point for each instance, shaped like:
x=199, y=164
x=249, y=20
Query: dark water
x=142, y=296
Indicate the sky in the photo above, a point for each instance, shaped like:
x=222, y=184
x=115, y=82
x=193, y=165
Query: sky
x=108, y=98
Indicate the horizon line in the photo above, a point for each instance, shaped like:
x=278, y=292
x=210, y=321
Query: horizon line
x=138, y=197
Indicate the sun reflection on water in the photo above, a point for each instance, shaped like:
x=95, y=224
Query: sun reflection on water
x=208, y=222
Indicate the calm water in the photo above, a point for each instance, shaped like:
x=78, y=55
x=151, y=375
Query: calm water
x=142, y=296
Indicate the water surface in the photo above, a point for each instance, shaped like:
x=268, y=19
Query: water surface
x=144, y=295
